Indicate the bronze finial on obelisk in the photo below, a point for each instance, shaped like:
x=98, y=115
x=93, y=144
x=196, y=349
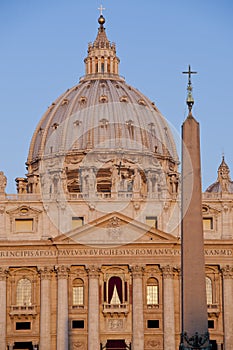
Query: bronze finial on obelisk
x=194, y=306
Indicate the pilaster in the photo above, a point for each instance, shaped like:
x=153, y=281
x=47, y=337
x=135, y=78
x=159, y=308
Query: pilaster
x=45, y=307
x=3, y=277
x=62, y=307
x=227, y=272
x=168, y=307
x=138, y=321
x=93, y=307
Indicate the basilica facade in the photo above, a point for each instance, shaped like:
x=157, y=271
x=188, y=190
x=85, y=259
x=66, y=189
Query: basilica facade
x=90, y=245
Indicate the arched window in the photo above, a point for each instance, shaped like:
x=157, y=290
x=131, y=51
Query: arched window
x=78, y=292
x=24, y=292
x=209, y=291
x=115, y=292
x=152, y=291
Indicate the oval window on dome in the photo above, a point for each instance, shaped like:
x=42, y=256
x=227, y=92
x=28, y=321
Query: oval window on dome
x=103, y=99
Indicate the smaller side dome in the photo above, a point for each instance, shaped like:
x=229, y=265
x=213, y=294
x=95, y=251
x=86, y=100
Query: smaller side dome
x=223, y=183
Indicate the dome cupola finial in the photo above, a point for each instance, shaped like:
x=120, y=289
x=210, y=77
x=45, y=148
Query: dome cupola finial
x=101, y=18
x=101, y=60
x=190, y=99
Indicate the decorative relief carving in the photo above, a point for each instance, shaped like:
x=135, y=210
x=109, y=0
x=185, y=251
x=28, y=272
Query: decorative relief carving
x=45, y=272
x=168, y=271
x=3, y=273
x=115, y=324
x=93, y=271
x=114, y=229
x=153, y=343
x=78, y=345
x=137, y=271
x=62, y=271
x=227, y=271
x=2, y=209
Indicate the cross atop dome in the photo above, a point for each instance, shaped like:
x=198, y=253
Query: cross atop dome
x=101, y=9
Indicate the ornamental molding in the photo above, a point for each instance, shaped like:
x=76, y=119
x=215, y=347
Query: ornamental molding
x=78, y=345
x=168, y=271
x=115, y=324
x=23, y=211
x=45, y=272
x=62, y=271
x=137, y=271
x=93, y=271
x=227, y=271
x=208, y=210
x=3, y=273
x=153, y=343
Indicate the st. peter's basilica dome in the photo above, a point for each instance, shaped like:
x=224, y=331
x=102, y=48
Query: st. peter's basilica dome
x=107, y=118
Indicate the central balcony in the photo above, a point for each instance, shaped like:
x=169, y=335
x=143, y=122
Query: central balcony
x=112, y=309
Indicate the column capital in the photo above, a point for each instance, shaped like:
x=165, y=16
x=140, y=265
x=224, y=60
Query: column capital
x=137, y=271
x=45, y=272
x=11, y=343
x=3, y=273
x=168, y=271
x=62, y=271
x=227, y=271
x=93, y=271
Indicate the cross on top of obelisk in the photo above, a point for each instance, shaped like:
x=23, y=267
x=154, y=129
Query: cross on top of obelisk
x=189, y=72
x=101, y=9
x=190, y=100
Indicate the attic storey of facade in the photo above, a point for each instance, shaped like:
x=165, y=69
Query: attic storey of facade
x=90, y=244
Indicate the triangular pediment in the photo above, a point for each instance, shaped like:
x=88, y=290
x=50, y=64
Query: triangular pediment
x=114, y=229
x=209, y=210
x=24, y=210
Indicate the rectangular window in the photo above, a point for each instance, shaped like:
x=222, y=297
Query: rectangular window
x=77, y=221
x=78, y=295
x=77, y=324
x=22, y=326
x=152, y=221
x=152, y=323
x=152, y=295
x=23, y=225
x=207, y=224
x=211, y=324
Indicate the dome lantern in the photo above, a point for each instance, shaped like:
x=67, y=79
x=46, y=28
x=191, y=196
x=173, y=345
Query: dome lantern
x=101, y=60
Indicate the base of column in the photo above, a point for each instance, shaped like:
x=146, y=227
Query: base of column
x=196, y=341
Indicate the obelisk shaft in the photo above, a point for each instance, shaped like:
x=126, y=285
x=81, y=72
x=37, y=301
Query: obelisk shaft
x=194, y=305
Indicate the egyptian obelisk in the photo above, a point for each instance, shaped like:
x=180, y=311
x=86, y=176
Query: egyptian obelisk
x=194, y=306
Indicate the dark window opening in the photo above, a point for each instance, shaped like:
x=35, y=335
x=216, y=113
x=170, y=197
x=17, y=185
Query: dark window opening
x=22, y=326
x=211, y=324
x=116, y=344
x=23, y=345
x=77, y=323
x=126, y=292
x=214, y=345
x=152, y=323
x=105, y=291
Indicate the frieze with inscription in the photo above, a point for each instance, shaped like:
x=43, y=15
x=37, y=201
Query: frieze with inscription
x=89, y=252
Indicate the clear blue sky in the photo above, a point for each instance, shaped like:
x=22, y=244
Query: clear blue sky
x=43, y=44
